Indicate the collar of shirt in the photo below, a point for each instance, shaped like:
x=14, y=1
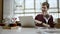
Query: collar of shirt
x=46, y=19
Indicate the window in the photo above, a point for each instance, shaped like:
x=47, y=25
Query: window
x=19, y=4
x=38, y=3
x=33, y=7
x=59, y=15
x=53, y=3
x=59, y=8
x=59, y=3
x=29, y=4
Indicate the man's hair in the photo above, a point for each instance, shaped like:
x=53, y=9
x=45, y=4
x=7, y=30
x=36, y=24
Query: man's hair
x=46, y=3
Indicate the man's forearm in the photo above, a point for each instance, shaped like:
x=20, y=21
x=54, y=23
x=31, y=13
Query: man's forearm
x=46, y=25
x=40, y=22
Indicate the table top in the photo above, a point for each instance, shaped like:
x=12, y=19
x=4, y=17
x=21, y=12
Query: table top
x=21, y=30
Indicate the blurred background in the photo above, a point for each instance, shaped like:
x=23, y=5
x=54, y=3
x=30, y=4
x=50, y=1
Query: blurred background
x=16, y=8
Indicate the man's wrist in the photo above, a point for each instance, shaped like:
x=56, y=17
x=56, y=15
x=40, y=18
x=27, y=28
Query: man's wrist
x=42, y=23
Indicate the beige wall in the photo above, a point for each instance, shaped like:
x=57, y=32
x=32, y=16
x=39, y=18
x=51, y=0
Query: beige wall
x=1, y=7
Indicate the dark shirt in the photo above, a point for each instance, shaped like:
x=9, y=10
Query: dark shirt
x=40, y=17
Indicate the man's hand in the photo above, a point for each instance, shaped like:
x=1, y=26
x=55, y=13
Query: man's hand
x=46, y=25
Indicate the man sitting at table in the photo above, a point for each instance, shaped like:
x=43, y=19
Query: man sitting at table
x=44, y=19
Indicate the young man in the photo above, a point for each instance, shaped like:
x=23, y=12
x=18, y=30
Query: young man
x=44, y=19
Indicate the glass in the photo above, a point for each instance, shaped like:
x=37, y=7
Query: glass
x=38, y=3
x=29, y=3
x=53, y=3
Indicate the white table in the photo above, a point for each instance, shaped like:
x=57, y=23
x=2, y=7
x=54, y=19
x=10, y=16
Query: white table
x=20, y=30
x=48, y=31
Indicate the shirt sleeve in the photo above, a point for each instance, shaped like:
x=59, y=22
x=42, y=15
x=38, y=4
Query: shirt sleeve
x=51, y=21
x=36, y=18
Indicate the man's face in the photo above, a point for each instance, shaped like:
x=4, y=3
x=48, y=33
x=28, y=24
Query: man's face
x=44, y=8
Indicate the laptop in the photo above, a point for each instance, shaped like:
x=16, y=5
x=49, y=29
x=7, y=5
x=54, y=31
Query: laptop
x=27, y=21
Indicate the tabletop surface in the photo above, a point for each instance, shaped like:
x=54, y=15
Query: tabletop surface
x=21, y=30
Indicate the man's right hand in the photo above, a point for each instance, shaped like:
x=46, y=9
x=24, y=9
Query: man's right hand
x=46, y=25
